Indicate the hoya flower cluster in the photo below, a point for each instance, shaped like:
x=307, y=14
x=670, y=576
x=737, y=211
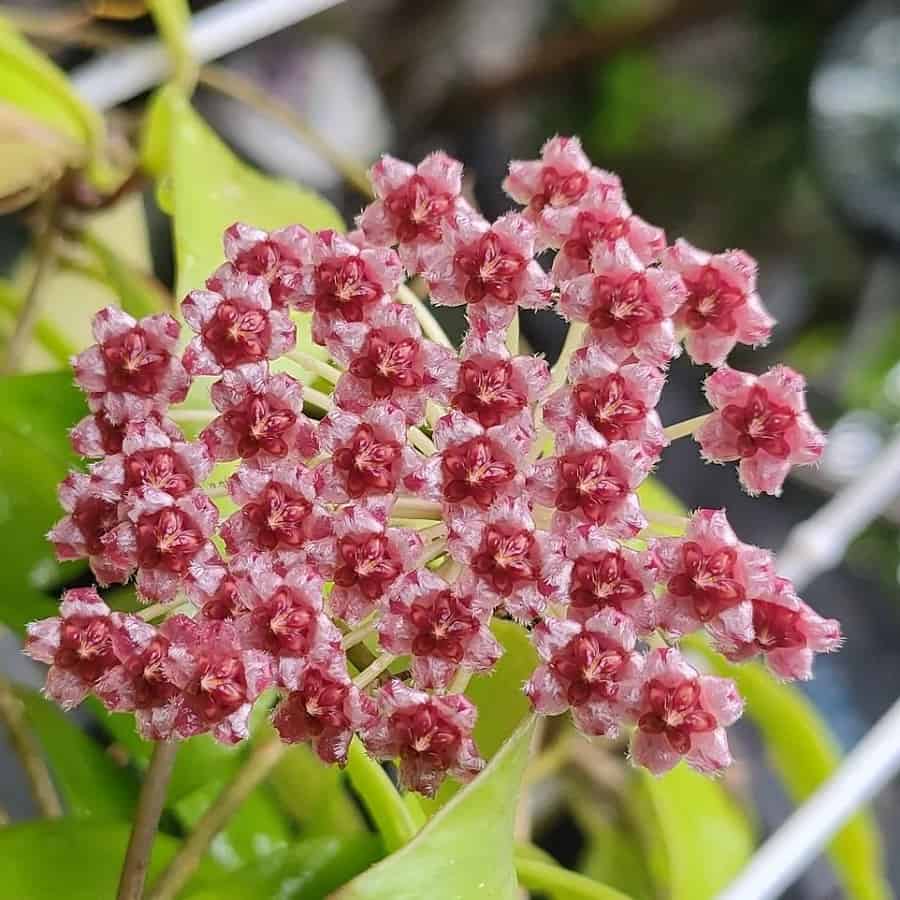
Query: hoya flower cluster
x=435, y=490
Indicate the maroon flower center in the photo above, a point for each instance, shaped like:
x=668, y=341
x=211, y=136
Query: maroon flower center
x=321, y=702
x=167, y=540
x=218, y=688
x=259, y=424
x=150, y=682
x=708, y=580
x=505, y=559
x=369, y=464
x=85, y=647
x=236, y=335
x=425, y=734
x=367, y=563
x=389, y=365
x=776, y=627
x=223, y=603
x=279, y=516
x=598, y=583
x=607, y=406
x=712, y=301
x=589, y=484
x=761, y=425
x=623, y=307
x=558, y=189
x=285, y=622
x=444, y=624
x=417, y=211
x=676, y=712
x=490, y=270
x=486, y=392
x=260, y=259
x=159, y=469
x=589, y=230
x=475, y=470
x=344, y=288
x=132, y=365
x=590, y=669
x=95, y=517
x=111, y=435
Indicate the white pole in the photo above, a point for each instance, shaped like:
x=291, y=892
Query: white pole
x=788, y=852
x=813, y=547
x=819, y=543
x=119, y=75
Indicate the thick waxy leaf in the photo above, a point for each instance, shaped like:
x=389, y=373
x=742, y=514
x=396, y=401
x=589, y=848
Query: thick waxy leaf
x=695, y=836
x=314, y=794
x=206, y=188
x=210, y=188
x=499, y=697
x=466, y=850
x=804, y=754
x=560, y=883
x=35, y=413
x=73, y=858
x=40, y=111
x=307, y=870
x=89, y=781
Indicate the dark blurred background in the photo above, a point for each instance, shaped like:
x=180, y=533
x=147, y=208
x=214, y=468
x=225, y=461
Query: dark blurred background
x=773, y=126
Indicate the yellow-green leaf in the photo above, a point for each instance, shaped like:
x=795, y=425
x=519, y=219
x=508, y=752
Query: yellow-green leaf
x=466, y=850
x=211, y=189
x=682, y=815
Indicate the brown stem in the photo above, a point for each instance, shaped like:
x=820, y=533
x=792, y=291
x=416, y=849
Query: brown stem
x=149, y=809
x=259, y=764
x=29, y=313
x=245, y=90
x=559, y=54
x=29, y=752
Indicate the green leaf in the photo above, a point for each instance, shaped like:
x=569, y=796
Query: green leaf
x=391, y=815
x=257, y=828
x=682, y=815
x=613, y=856
x=802, y=751
x=73, y=858
x=466, y=850
x=89, y=781
x=612, y=852
x=46, y=116
x=32, y=82
x=314, y=794
x=308, y=870
x=46, y=333
x=35, y=413
x=559, y=882
x=138, y=294
x=211, y=189
x=501, y=703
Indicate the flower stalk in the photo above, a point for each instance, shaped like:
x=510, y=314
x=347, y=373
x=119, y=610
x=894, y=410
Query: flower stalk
x=143, y=832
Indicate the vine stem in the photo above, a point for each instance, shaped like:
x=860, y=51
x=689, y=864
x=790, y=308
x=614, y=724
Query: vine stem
x=314, y=365
x=26, y=747
x=412, y=508
x=149, y=809
x=430, y=325
x=683, y=429
x=363, y=680
x=29, y=312
x=262, y=759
